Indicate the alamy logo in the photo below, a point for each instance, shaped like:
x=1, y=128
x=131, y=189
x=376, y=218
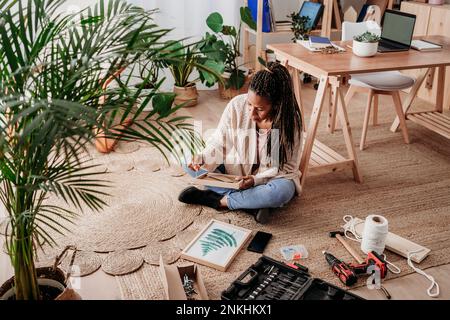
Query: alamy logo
x=374, y=280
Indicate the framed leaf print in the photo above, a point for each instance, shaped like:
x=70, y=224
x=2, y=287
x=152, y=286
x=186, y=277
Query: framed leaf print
x=216, y=245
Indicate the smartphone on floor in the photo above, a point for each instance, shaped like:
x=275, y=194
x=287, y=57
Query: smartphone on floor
x=259, y=242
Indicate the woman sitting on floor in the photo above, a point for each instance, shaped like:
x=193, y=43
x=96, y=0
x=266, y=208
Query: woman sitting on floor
x=259, y=139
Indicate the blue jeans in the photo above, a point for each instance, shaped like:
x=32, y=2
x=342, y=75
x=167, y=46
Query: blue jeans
x=274, y=194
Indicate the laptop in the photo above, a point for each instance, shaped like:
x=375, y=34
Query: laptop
x=397, y=31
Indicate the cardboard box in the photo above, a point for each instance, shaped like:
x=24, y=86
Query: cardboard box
x=172, y=278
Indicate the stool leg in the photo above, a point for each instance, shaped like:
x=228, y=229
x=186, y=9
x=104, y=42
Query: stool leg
x=366, y=120
x=401, y=115
x=375, y=110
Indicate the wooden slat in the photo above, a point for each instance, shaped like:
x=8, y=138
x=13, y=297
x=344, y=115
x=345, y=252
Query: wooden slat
x=328, y=158
x=434, y=117
x=329, y=151
x=313, y=163
x=445, y=116
x=420, y=121
x=441, y=117
x=332, y=167
x=432, y=122
x=317, y=158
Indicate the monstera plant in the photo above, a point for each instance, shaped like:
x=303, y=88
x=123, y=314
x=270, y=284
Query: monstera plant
x=53, y=99
x=223, y=46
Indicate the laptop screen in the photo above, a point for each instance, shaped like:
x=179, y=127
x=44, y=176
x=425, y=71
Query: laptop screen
x=398, y=27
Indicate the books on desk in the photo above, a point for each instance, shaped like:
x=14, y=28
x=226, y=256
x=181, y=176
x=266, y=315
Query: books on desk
x=319, y=42
x=422, y=45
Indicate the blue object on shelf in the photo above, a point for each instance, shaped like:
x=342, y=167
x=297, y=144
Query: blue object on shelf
x=362, y=13
x=253, y=6
x=314, y=11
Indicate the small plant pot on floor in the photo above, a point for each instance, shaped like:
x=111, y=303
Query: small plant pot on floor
x=187, y=95
x=51, y=284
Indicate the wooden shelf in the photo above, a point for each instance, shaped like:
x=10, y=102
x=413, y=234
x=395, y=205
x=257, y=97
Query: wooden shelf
x=330, y=9
x=325, y=160
x=279, y=32
x=433, y=120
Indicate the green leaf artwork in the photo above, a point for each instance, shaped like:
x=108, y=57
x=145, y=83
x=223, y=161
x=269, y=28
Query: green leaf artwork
x=217, y=239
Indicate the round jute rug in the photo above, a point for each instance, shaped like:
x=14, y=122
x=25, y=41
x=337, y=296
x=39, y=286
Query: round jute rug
x=134, y=217
x=122, y=262
x=85, y=263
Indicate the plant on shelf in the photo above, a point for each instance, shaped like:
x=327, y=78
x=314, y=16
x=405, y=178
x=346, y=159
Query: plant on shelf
x=299, y=26
x=182, y=61
x=223, y=46
x=54, y=97
x=365, y=44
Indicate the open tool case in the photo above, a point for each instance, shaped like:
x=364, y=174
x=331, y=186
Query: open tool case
x=269, y=279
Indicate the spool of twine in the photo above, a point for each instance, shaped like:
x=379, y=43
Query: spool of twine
x=374, y=234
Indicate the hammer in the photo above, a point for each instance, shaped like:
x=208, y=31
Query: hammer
x=339, y=235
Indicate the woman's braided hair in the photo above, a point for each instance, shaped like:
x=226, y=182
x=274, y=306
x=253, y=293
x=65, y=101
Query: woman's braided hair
x=275, y=84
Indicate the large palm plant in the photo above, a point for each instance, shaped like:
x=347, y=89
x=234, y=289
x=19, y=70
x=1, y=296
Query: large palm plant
x=53, y=99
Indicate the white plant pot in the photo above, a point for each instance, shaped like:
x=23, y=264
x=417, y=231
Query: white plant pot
x=365, y=49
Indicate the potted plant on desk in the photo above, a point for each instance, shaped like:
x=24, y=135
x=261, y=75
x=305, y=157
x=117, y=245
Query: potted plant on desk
x=365, y=44
x=223, y=46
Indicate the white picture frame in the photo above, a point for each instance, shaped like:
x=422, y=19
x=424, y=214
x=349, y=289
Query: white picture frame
x=216, y=245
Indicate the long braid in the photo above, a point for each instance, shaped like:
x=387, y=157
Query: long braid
x=275, y=84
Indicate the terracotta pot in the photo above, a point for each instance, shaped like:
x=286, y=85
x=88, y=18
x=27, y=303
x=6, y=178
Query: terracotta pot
x=106, y=144
x=231, y=92
x=188, y=95
x=51, y=283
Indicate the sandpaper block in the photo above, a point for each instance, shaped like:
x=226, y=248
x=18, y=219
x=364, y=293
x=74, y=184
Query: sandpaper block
x=396, y=243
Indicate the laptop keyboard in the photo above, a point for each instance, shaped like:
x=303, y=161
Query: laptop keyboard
x=389, y=47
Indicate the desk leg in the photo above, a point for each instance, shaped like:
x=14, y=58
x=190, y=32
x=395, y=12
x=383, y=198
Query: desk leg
x=332, y=110
x=343, y=118
x=440, y=90
x=410, y=97
x=298, y=93
x=312, y=128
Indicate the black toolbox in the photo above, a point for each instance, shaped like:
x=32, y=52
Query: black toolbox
x=269, y=279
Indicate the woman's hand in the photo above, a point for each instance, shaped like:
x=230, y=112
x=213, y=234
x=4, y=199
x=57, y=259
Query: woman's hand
x=197, y=162
x=246, y=183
